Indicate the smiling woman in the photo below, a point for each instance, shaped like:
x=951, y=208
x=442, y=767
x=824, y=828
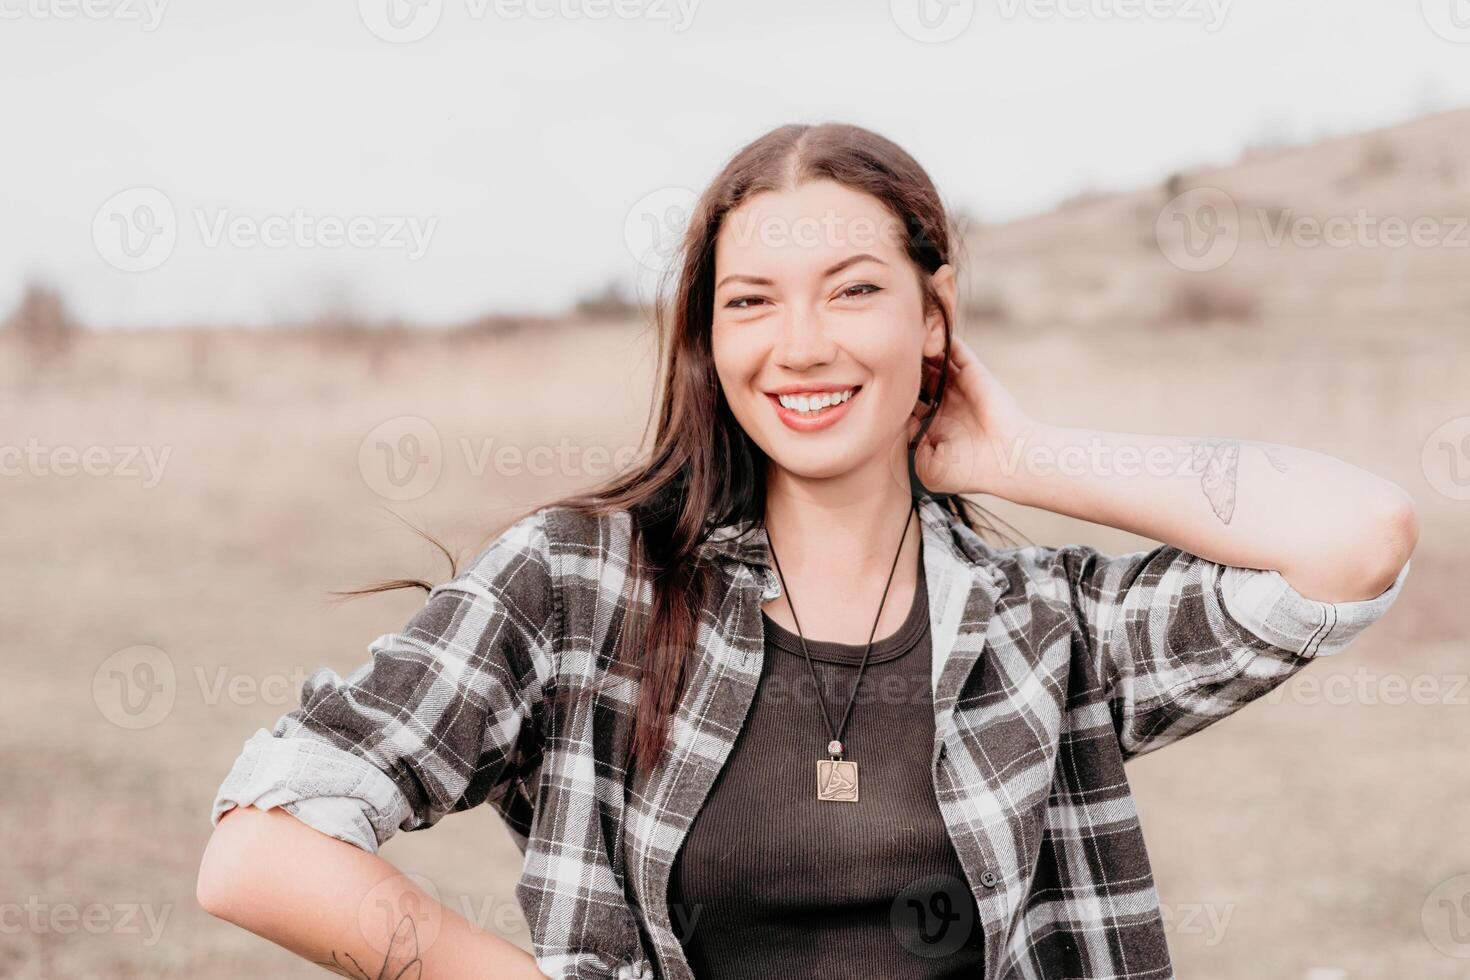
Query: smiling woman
x=812, y=330
x=631, y=675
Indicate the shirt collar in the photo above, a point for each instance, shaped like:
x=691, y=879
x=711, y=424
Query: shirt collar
x=746, y=541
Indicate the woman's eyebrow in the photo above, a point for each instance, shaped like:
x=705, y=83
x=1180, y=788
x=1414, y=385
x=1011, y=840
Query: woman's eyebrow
x=762, y=281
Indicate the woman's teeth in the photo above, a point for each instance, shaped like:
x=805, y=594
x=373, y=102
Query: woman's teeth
x=812, y=404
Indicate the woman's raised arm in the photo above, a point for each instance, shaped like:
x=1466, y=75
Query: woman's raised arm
x=1334, y=531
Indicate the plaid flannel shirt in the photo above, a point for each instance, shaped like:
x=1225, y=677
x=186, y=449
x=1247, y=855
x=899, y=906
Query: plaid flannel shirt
x=1052, y=667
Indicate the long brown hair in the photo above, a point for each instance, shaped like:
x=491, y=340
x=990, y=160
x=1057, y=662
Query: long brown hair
x=703, y=471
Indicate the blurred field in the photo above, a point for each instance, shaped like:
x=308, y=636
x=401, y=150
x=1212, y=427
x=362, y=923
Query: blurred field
x=1300, y=839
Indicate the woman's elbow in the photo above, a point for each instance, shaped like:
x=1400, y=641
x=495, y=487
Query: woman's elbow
x=224, y=882
x=1364, y=563
x=1392, y=537
x=1399, y=527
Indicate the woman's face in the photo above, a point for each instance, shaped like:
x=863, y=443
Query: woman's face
x=817, y=305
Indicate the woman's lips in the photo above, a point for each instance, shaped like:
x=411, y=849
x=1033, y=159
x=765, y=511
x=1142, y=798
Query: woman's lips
x=812, y=421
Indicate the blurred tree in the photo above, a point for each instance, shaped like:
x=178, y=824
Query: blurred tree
x=611, y=302
x=43, y=327
x=1198, y=301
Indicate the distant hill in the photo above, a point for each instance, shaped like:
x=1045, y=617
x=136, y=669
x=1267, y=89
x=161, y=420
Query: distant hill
x=1315, y=228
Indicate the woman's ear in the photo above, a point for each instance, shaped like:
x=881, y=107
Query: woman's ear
x=943, y=280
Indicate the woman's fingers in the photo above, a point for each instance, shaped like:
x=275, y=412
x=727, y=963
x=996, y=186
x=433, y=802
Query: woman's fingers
x=960, y=352
x=966, y=373
x=970, y=373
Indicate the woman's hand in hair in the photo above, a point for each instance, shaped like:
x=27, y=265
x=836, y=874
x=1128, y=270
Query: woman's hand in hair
x=977, y=437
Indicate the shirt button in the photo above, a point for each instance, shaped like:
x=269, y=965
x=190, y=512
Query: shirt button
x=989, y=879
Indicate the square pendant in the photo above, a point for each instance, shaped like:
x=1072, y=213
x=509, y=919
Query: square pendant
x=837, y=780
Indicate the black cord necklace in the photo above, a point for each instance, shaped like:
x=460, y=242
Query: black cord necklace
x=837, y=778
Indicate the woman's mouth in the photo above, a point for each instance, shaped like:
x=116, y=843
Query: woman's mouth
x=810, y=411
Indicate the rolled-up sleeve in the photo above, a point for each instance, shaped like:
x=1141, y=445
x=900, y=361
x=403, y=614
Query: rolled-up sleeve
x=1178, y=642
x=444, y=714
x=340, y=794
x=1264, y=602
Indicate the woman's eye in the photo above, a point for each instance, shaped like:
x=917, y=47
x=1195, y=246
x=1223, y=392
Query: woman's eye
x=853, y=291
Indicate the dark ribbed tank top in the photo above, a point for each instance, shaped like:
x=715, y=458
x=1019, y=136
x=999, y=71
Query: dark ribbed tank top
x=771, y=882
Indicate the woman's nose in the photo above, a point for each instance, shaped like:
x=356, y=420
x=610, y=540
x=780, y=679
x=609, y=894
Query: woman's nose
x=802, y=339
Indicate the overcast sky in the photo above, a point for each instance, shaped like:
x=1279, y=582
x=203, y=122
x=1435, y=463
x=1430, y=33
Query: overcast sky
x=230, y=162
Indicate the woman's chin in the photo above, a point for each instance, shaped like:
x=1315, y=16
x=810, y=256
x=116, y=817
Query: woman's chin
x=817, y=464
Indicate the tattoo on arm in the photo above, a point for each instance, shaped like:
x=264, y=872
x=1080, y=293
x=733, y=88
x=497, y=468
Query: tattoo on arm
x=1217, y=461
x=401, y=962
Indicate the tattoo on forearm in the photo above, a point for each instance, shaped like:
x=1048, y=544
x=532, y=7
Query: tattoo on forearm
x=401, y=963
x=1217, y=461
